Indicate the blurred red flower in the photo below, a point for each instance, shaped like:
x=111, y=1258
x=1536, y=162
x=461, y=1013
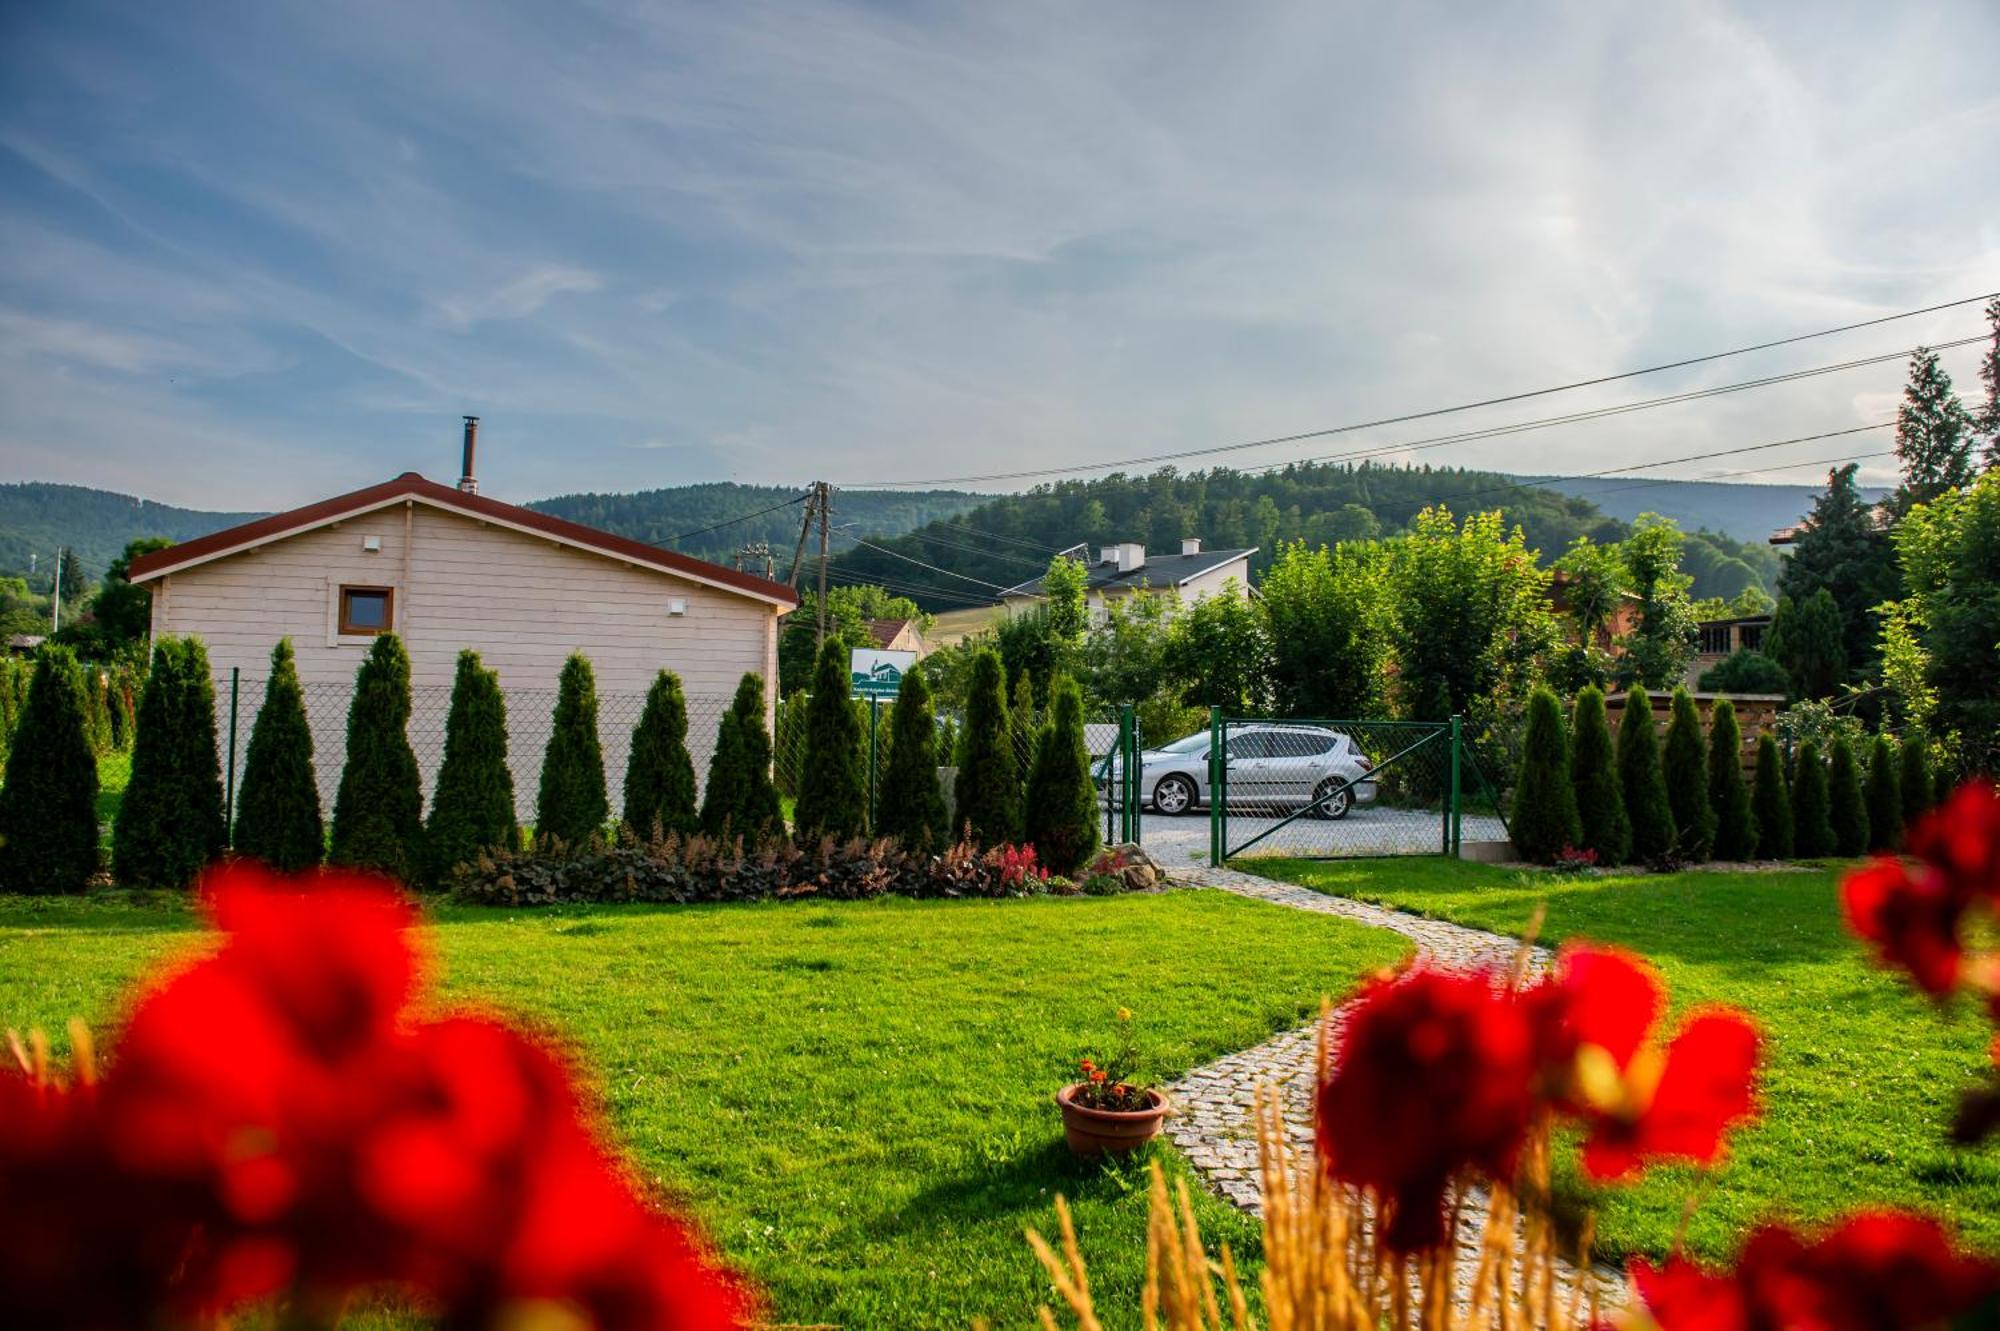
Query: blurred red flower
x=1913, y=911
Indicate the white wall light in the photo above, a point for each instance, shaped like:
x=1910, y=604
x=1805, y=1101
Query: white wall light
x=677, y=605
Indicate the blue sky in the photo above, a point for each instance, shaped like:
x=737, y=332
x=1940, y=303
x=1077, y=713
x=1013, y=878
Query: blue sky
x=251, y=254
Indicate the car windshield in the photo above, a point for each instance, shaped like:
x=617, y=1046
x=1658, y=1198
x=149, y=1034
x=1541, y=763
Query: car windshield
x=1187, y=745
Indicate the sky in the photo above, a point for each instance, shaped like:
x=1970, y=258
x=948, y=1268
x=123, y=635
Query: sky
x=255, y=254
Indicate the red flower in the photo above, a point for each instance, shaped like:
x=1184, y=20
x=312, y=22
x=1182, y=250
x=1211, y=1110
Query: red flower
x=1097, y=1074
x=1913, y=922
x=1960, y=841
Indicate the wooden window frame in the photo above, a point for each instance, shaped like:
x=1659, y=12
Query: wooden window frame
x=349, y=629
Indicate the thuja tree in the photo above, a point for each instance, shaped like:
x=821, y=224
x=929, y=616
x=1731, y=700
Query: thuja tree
x=1686, y=769
x=1885, y=796
x=1602, y=826
x=1061, y=808
x=833, y=790
x=659, y=775
x=1848, y=804
x=472, y=805
x=988, y=792
x=378, y=809
x=911, y=807
x=1545, y=817
x=278, y=818
x=1812, y=816
x=48, y=808
x=170, y=822
x=1771, y=800
x=571, y=806
x=1639, y=777
x=1914, y=779
x=740, y=800
x=1729, y=807
x=1021, y=722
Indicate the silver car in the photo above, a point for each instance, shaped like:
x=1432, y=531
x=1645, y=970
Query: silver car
x=1271, y=766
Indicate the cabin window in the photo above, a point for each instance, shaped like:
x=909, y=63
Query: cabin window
x=366, y=610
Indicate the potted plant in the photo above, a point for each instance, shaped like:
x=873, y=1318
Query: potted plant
x=1110, y=1110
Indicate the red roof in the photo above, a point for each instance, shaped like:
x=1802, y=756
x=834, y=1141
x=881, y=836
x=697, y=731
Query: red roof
x=412, y=486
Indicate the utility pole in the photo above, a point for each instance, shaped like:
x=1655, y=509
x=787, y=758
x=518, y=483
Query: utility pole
x=55, y=596
x=825, y=516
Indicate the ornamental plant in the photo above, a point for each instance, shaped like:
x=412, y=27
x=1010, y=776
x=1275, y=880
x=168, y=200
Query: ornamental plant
x=278, y=816
x=378, y=810
x=833, y=787
x=1111, y=1081
x=1728, y=795
x=1545, y=819
x=1685, y=768
x=472, y=807
x=659, y=774
x=1771, y=802
x=170, y=822
x=1917, y=782
x=740, y=800
x=571, y=806
x=1885, y=796
x=1593, y=769
x=1812, y=808
x=988, y=793
x=911, y=808
x=1639, y=777
x=1061, y=800
x=1848, y=807
x=48, y=806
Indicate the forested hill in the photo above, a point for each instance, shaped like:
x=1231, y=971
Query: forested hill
x=36, y=517
x=1011, y=537
x=1745, y=512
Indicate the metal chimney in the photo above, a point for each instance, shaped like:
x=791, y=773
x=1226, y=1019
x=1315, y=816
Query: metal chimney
x=466, y=480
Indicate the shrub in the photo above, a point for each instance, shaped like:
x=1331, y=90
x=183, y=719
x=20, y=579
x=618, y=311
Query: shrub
x=1746, y=671
x=988, y=792
x=378, y=810
x=1685, y=767
x=1848, y=807
x=1729, y=808
x=1021, y=724
x=1885, y=797
x=1545, y=817
x=911, y=807
x=278, y=818
x=659, y=776
x=48, y=808
x=1812, y=818
x=1061, y=799
x=472, y=805
x=1644, y=787
x=1600, y=804
x=170, y=822
x=571, y=804
x=1915, y=780
x=1771, y=801
x=740, y=800
x=833, y=791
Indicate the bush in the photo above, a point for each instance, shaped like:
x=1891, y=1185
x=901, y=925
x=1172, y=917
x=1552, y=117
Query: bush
x=659, y=776
x=1915, y=780
x=48, y=808
x=1746, y=671
x=911, y=807
x=1644, y=787
x=1849, y=808
x=1771, y=800
x=378, y=810
x=1021, y=723
x=740, y=800
x=1545, y=818
x=1885, y=797
x=988, y=791
x=1061, y=799
x=571, y=805
x=1812, y=817
x=1600, y=804
x=833, y=791
x=278, y=818
x=170, y=822
x=1686, y=770
x=1729, y=808
x=472, y=805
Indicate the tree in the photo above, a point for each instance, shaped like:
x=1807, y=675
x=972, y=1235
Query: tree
x=1065, y=591
x=1745, y=671
x=1842, y=550
x=378, y=809
x=1686, y=771
x=1644, y=787
x=833, y=790
x=571, y=806
x=912, y=807
x=1593, y=770
x=1949, y=551
x=170, y=822
x=1590, y=582
x=1661, y=643
x=472, y=805
x=48, y=807
x=851, y=613
x=1934, y=435
x=123, y=610
x=740, y=800
x=1885, y=797
x=73, y=580
x=1729, y=808
x=278, y=816
x=1061, y=807
x=1989, y=374
x=1471, y=615
x=1771, y=800
x=988, y=792
x=1021, y=726
x=659, y=774
x=1326, y=612
x=1545, y=818
x=1848, y=807
x=1914, y=780
x=1805, y=639
x=1812, y=812
x=1218, y=652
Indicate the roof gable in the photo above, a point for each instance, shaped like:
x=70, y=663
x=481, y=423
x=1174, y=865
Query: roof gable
x=1175, y=570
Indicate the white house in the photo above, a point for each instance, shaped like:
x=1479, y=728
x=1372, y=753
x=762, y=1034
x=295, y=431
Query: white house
x=1127, y=570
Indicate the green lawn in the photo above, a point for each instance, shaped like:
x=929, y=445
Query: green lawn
x=1860, y=1075
x=853, y=1098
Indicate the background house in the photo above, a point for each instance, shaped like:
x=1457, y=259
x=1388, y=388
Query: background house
x=1128, y=570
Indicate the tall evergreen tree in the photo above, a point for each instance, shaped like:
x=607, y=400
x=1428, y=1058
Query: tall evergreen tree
x=1934, y=435
x=1061, y=803
x=912, y=807
x=1600, y=801
x=1545, y=818
x=1843, y=551
x=1885, y=797
x=48, y=807
x=571, y=806
x=278, y=817
x=740, y=800
x=833, y=788
x=1847, y=805
x=659, y=776
x=1639, y=777
x=1805, y=639
x=472, y=805
x=378, y=809
x=170, y=822
x=1686, y=771
x=1021, y=722
x=1915, y=780
x=1812, y=805
x=988, y=792
x=1728, y=796
x=1772, y=801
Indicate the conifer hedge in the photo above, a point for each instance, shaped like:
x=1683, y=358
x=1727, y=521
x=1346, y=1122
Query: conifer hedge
x=911, y=806
x=278, y=818
x=1685, y=767
x=1734, y=820
x=378, y=809
x=1593, y=769
x=740, y=800
x=472, y=805
x=1544, y=817
x=1848, y=805
x=659, y=775
x=1021, y=722
x=48, y=807
x=571, y=807
x=1061, y=799
x=1639, y=776
x=988, y=792
x=833, y=790
x=1771, y=801
x=1812, y=812
x=170, y=822
x=1917, y=783
x=1885, y=797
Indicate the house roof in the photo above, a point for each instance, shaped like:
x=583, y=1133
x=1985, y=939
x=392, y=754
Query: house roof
x=412, y=487
x=886, y=631
x=1175, y=570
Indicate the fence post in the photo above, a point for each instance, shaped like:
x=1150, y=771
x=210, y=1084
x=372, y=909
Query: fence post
x=1128, y=779
x=874, y=726
x=229, y=794
x=1457, y=735
x=1218, y=791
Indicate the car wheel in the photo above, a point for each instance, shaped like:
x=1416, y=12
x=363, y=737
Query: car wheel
x=1333, y=799
x=1174, y=795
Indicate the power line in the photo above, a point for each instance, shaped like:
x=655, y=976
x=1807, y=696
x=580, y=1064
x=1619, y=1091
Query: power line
x=727, y=522
x=894, y=554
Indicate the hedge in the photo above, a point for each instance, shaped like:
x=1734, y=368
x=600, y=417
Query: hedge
x=833, y=790
x=1685, y=767
x=571, y=804
x=378, y=810
x=1640, y=779
x=659, y=774
x=1600, y=803
x=1849, y=806
x=1728, y=795
x=1545, y=818
x=1812, y=813
x=48, y=808
x=472, y=806
x=1061, y=798
x=911, y=808
x=278, y=818
x=1771, y=800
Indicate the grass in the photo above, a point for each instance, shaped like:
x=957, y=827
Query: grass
x=1860, y=1074
x=853, y=1098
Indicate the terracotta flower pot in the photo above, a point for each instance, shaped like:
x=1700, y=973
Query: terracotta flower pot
x=1097, y=1131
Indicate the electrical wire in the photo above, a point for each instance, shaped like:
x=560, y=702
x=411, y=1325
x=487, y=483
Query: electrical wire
x=727, y=522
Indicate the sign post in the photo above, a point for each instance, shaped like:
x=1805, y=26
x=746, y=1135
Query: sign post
x=873, y=673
